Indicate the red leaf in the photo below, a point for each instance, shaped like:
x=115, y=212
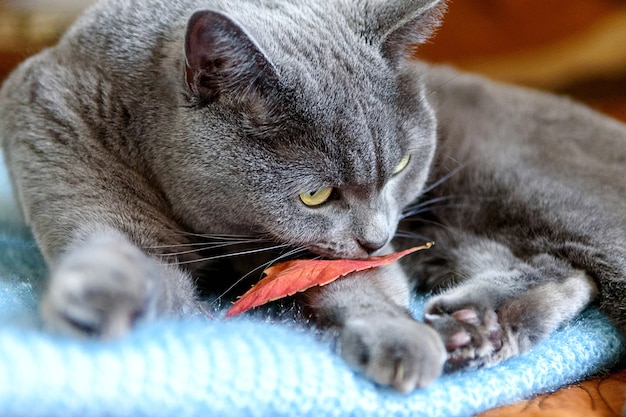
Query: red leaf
x=288, y=278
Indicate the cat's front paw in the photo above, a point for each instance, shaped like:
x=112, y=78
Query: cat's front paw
x=399, y=352
x=101, y=289
x=472, y=334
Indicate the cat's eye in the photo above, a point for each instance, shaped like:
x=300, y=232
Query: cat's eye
x=316, y=198
x=402, y=165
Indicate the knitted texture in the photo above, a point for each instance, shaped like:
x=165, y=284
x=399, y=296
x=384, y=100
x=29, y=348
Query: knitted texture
x=249, y=366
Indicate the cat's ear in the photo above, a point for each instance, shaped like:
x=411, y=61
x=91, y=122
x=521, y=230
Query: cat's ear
x=404, y=24
x=223, y=61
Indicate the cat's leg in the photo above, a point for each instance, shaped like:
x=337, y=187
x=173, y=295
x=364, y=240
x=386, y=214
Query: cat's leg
x=502, y=305
x=99, y=223
x=103, y=284
x=478, y=332
x=377, y=333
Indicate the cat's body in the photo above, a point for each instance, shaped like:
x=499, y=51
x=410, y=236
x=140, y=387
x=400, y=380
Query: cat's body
x=305, y=123
x=532, y=193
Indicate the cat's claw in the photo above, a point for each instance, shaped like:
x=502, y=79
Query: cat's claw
x=100, y=290
x=473, y=337
x=399, y=352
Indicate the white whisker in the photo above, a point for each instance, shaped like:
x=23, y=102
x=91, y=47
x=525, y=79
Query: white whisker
x=421, y=206
x=263, y=266
x=443, y=179
x=403, y=234
x=432, y=201
x=220, y=236
x=407, y=215
x=231, y=255
x=206, y=246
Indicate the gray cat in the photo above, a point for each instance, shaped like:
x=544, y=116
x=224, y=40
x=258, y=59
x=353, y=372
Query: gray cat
x=155, y=126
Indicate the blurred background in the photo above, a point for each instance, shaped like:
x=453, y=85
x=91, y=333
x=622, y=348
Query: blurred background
x=573, y=47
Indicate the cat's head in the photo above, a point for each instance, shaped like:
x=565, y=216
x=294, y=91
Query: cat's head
x=303, y=121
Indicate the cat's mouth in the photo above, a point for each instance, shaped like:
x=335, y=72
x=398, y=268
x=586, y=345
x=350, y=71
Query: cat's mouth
x=332, y=252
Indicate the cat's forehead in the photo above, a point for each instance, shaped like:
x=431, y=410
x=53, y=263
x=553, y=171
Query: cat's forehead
x=350, y=117
x=347, y=147
x=314, y=35
x=339, y=89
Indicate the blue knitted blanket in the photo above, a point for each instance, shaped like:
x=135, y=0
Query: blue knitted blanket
x=251, y=366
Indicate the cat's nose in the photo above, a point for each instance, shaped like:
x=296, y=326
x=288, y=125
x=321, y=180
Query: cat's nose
x=371, y=246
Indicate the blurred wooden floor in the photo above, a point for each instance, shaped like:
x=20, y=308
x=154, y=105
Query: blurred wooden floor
x=573, y=47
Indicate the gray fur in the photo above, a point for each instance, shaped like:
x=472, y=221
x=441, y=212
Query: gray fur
x=532, y=203
x=150, y=128
x=142, y=131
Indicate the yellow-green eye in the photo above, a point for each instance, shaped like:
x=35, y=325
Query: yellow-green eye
x=403, y=164
x=316, y=197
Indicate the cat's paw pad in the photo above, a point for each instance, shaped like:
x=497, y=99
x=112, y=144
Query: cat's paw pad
x=473, y=336
x=399, y=352
x=100, y=290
